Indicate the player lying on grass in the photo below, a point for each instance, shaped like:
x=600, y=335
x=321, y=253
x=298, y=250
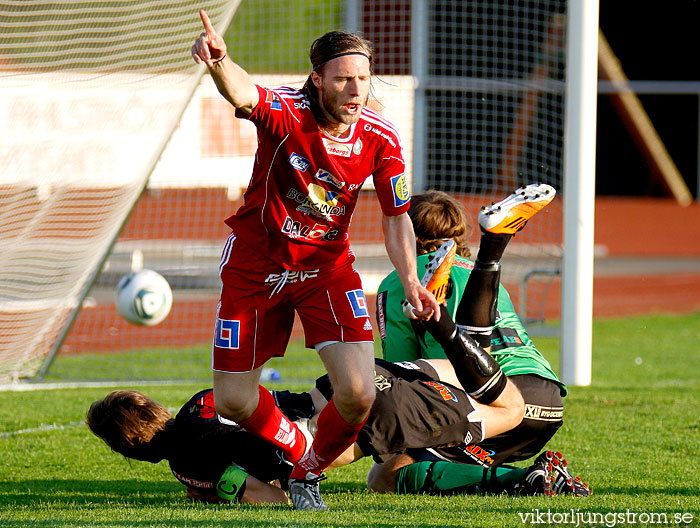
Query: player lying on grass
x=217, y=459
x=407, y=413
x=484, y=312
x=214, y=458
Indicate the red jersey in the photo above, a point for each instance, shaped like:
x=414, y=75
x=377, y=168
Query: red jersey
x=305, y=183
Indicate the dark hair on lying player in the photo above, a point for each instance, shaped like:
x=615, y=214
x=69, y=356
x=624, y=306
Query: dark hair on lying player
x=130, y=422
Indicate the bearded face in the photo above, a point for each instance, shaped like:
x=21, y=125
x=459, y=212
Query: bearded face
x=343, y=87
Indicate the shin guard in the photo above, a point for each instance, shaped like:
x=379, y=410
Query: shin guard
x=480, y=374
x=476, y=370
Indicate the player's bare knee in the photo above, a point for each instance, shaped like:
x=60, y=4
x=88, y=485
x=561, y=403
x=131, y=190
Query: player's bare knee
x=354, y=402
x=236, y=394
x=381, y=481
x=234, y=409
x=516, y=397
x=358, y=405
x=365, y=401
x=513, y=401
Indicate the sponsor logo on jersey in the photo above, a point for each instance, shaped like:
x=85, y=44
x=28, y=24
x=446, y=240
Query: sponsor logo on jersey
x=318, y=201
x=327, y=177
x=357, y=147
x=301, y=106
x=355, y=186
x=545, y=414
x=192, y=482
x=358, y=303
x=206, y=405
x=381, y=314
x=381, y=382
x=399, y=186
x=368, y=325
x=227, y=333
x=380, y=132
x=295, y=229
x=323, y=199
x=505, y=338
x=273, y=100
x=298, y=162
x=446, y=393
x=408, y=365
x=479, y=455
x=468, y=438
x=335, y=148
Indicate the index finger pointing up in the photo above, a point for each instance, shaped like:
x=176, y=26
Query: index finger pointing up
x=207, y=23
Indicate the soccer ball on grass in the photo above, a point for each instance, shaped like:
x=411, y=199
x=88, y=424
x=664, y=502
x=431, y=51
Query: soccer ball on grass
x=144, y=298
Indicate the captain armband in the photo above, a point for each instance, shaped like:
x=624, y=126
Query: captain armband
x=231, y=485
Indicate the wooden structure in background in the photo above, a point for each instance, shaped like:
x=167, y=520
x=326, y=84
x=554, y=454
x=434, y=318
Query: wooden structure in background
x=639, y=125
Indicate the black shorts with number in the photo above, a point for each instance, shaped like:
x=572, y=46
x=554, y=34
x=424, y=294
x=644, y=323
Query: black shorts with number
x=412, y=410
x=544, y=412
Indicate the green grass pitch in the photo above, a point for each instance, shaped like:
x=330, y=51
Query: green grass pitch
x=634, y=435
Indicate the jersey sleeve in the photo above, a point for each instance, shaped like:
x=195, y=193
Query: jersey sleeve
x=274, y=114
x=399, y=341
x=390, y=180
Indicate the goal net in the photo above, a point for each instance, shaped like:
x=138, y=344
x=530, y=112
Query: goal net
x=476, y=90
x=91, y=92
x=493, y=117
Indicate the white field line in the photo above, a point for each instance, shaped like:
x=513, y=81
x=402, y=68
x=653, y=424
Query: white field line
x=41, y=428
x=29, y=386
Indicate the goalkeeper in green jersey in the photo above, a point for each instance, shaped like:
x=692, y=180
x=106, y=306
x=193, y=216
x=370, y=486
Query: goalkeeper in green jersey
x=481, y=308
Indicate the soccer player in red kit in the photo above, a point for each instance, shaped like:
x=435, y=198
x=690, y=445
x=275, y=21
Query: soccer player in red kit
x=289, y=247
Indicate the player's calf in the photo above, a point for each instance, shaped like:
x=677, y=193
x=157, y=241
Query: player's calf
x=480, y=375
x=477, y=371
x=477, y=310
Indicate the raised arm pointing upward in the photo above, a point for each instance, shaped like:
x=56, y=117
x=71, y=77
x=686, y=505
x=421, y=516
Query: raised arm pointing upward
x=289, y=248
x=232, y=81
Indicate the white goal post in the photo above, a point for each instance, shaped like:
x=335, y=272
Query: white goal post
x=579, y=199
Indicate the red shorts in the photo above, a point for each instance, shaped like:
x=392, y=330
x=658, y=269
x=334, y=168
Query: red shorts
x=256, y=313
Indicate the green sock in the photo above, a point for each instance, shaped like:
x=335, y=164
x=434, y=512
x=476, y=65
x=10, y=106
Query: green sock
x=445, y=478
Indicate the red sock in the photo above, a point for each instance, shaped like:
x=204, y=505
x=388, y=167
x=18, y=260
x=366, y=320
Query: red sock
x=334, y=436
x=268, y=422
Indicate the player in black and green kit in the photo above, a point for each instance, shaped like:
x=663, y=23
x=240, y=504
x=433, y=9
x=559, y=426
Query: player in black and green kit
x=482, y=309
x=216, y=459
